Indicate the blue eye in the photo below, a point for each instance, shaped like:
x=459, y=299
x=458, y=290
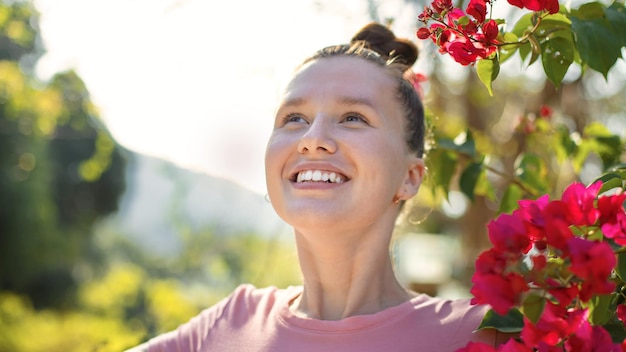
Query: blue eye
x=293, y=118
x=355, y=118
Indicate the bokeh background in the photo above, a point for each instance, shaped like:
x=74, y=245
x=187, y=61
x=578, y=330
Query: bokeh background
x=132, y=135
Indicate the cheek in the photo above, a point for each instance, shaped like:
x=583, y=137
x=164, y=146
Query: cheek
x=276, y=154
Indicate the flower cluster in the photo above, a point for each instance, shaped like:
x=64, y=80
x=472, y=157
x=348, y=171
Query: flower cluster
x=465, y=39
x=556, y=258
x=469, y=35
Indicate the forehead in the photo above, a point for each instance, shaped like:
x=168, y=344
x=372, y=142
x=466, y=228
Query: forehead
x=341, y=75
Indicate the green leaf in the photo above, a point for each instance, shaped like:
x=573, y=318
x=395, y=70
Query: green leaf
x=524, y=50
x=556, y=56
x=602, y=142
x=469, y=177
x=484, y=187
x=617, y=330
x=599, y=309
x=463, y=20
x=488, y=70
x=523, y=25
x=533, y=306
x=554, y=23
x=616, y=15
x=463, y=143
x=535, y=48
x=596, y=129
x=562, y=143
x=512, y=195
x=512, y=322
x=443, y=169
x=532, y=171
x=620, y=268
x=590, y=11
x=507, y=50
x=609, y=181
x=598, y=44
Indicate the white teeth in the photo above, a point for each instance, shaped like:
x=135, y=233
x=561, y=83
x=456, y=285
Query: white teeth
x=319, y=175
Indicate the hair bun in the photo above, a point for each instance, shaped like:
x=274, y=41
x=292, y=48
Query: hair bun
x=381, y=39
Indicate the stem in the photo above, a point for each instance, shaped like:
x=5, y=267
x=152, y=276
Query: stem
x=511, y=179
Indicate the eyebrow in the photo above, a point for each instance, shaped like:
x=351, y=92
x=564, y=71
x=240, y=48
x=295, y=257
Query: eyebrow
x=344, y=100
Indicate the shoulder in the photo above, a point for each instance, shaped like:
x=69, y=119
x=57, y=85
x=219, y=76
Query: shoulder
x=245, y=302
x=249, y=297
x=458, y=317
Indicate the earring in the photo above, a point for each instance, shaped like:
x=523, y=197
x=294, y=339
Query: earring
x=396, y=199
x=267, y=198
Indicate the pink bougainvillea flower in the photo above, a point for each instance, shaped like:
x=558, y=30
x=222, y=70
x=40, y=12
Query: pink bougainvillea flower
x=531, y=212
x=508, y=233
x=514, y=346
x=477, y=347
x=613, y=217
x=501, y=292
x=581, y=203
x=477, y=9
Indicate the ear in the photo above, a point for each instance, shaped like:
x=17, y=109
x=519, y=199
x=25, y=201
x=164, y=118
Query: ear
x=413, y=178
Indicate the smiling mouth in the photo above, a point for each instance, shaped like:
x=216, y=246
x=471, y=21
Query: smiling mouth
x=318, y=176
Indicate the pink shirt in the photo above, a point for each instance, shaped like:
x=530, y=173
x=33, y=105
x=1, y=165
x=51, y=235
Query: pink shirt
x=252, y=319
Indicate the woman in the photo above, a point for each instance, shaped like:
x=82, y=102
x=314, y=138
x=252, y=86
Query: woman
x=345, y=153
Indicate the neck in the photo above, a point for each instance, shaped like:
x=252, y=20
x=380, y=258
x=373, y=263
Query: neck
x=346, y=275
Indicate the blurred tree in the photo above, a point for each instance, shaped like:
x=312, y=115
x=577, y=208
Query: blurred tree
x=60, y=170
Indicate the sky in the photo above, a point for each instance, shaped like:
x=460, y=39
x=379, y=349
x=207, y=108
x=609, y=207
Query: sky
x=195, y=82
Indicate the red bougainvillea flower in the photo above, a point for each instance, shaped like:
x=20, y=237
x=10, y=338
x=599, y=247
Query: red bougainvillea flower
x=557, y=231
x=442, y=6
x=501, y=292
x=621, y=312
x=552, y=6
x=423, y=33
x=581, y=203
x=463, y=51
x=564, y=295
x=555, y=324
x=593, y=262
x=490, y=32
x=494, y=262
x=591, y=338
x=545, y=111
x=477, y=9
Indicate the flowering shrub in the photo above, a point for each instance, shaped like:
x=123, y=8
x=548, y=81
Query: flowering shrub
x=553, y=269
x=592, y=35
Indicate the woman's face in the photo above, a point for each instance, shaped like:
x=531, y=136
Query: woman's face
x=337, y=154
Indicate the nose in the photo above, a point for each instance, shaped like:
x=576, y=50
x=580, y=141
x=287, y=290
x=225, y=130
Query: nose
x=318, y=137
